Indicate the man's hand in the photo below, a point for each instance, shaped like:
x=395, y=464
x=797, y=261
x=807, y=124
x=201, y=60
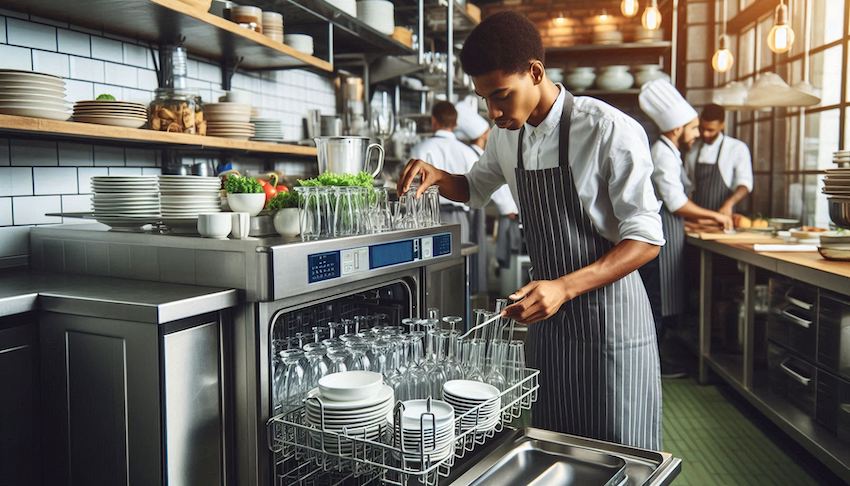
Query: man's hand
x=726, y=209
x=429, y=175
x=724, y=220
x=537, y=301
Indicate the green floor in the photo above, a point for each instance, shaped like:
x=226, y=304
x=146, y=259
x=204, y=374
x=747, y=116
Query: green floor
x=718, y=444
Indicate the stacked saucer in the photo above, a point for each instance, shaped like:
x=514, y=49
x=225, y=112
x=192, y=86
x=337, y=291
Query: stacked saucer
x=426, y=438
x=841, y=158
x=184, y=197
x=837, y=182
x=267, y=130
x=24, y=93
x=466, y=395
x=115, y=113
x=229, y=120
x=360, y=411
x=273, y=25
x=125, y=202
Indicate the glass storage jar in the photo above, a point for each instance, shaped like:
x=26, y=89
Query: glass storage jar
x=177, y=111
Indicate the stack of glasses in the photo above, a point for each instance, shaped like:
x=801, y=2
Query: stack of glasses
x=416, y=358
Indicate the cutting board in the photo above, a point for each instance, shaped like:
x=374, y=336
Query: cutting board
x=742, y=237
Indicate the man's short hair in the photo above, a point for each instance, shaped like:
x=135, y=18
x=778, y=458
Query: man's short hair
x=445, y=114
x=713, y=112
x=506, y=41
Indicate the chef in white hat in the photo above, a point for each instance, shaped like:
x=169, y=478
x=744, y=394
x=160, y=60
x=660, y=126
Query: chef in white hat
x=473, y=129
x=679, y=126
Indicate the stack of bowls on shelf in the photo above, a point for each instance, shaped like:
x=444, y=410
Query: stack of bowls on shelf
x=125, y=202
x=580, y=78
x=184, y=197
x=422, y=437
x=273, y=25
x=115, y=113
x=465, y=395
x=299, y=42
x=248, y=17
x=352, y=403
x=267, y=130
x=378, y=14
x=24, y=93
x=841, y=158
x=648, y=35
x=229, y=120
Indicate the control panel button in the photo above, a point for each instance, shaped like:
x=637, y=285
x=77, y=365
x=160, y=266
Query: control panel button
x=427, y=248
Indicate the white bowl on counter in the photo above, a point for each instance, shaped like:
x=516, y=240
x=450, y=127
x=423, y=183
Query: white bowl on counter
x=247, y=203
x=214, y=225
x=378, y=14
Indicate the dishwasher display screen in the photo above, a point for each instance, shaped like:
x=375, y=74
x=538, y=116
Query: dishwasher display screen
x=391, y=254
x=442, y=245
x=323, y=266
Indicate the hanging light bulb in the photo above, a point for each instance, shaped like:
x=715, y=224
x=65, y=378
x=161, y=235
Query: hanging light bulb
x=781, y=36
x=560, y=20
x=723, y=59
x=651, y=19
x=629, y=8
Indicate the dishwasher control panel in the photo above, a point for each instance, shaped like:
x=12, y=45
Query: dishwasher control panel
x=350, y=261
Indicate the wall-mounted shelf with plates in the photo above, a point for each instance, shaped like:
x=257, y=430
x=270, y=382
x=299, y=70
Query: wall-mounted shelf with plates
x=67, y=130
x=628, y=47
x=164, y=21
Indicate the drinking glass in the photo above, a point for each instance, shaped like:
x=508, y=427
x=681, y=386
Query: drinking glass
x=319, y=333
x=397, y=366
x=454, y=369
x=346, y=215
x=380, y=215
x=347, y=325
x=434, y=313
x=515, y=369
x=431, y=206
x=473, y=356
x=437, y=375
x=336, y=329
x=326, y=207
x=361, y=323
x=338, y=355
x=453, y=321
x=293, y=384
x=382, y=360
x=308, y=213
x=496, y=352
x=358, y=359
x=317, y=363
x=479, y=318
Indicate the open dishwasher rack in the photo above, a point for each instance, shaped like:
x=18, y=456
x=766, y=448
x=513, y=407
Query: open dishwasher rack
x=310, y=452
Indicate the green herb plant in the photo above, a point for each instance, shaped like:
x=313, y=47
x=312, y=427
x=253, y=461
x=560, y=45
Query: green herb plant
x=283, y=200
x=363, y=179
x=242, y=185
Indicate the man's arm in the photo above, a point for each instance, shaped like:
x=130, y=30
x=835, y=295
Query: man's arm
x=693, y=211
x=541, y=299
x=737, y=196
x=454, y=187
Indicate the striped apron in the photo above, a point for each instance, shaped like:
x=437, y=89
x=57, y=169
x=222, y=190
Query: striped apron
x=671, y=258
x=600, y=374
x=711, y=192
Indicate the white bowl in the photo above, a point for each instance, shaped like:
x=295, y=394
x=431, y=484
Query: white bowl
x=247, y=203
x=286, y=222
x=299, y=42
x=349, y=386
x=214, y=225
x=238, y=97
x=378, y=14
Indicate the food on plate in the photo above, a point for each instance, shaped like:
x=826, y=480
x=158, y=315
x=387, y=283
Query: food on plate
x=813, y=229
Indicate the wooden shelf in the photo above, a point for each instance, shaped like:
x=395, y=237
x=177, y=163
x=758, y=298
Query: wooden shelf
x=42, y=128
x=631, y=47
x=164, y=21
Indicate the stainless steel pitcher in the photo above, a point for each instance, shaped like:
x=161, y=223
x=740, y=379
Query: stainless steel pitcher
x=348, y=155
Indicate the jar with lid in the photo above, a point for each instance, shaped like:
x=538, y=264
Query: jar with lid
x=177, y=111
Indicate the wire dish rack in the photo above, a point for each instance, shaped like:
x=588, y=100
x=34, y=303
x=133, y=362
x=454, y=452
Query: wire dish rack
x=377, y=453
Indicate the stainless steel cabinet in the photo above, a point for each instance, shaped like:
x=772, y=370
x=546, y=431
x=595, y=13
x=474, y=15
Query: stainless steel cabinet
x=19, y=401
x=133, y=403
x=834, y=334
x=792, y=317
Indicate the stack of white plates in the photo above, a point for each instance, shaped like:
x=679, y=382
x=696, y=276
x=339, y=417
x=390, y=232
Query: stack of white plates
x=426, y=437
x=125, y=202
x=184, y=197
x=464, y=395
x=267, y=130
x=363, y=418
x=841, y=158
x=299, y=42
x=378, y=14
x=229, y=120
x=116, y=113
x=273, y=25
x=837, y=182
x=25, y=93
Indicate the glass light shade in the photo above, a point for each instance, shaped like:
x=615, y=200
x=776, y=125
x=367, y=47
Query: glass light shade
x=780, y=38
x=651, y=18
x=722, y=60
x=629, y=8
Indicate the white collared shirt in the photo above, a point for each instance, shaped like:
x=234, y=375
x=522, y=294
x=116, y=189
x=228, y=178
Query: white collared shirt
x=610, y=162
x=735, y=162
x=444, y=151
x=502, y=198
x=667, y=176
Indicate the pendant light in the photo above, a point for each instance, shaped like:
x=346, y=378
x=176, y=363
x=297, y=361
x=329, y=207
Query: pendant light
x=651, y=18
x=781, y=36
x=629, y=8
x=560, y=20
x=723, y=59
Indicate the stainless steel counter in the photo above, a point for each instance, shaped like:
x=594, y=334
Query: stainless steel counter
x=132, y=300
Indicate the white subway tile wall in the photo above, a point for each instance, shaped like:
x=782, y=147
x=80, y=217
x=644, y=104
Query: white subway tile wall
x=38, y=177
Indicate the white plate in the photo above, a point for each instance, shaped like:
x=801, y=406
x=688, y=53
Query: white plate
x=112, y=121
x=414, y=409
x=37, y=113
x=470, y=390
x=132, y=178
x=350, y=385
x=314, y=417
x=385, y=394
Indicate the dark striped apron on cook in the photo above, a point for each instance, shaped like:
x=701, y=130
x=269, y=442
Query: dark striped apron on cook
x=598, y=358
x=671, y=256
x=711, y=191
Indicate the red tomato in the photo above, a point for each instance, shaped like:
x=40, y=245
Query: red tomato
x=269, y=189
x=281, y=188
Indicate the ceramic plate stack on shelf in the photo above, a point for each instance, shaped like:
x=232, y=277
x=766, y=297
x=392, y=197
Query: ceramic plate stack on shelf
x=267, y=130
x=125, y=202
x=358, y=409
x=842, y=158
x=423, y=437
x=25, y=93
x=229, y=120
x=115, y=113
x=837, y=183
x=464, y=395
x=378, y=14
x=273, y=25
x=184, y=197
x=299, y=42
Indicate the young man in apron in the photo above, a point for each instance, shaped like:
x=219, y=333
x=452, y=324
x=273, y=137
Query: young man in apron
x=580, y=171
x=679, y=127
x=719, y=166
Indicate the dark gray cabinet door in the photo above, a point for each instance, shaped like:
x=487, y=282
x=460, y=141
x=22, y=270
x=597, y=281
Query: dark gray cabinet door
x=19, y=416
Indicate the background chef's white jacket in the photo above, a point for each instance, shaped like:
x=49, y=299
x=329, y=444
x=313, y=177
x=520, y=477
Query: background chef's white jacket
x=444, y=151
x=667, y=175
x=736, y=164
x=502, y=198
x=610, y=162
